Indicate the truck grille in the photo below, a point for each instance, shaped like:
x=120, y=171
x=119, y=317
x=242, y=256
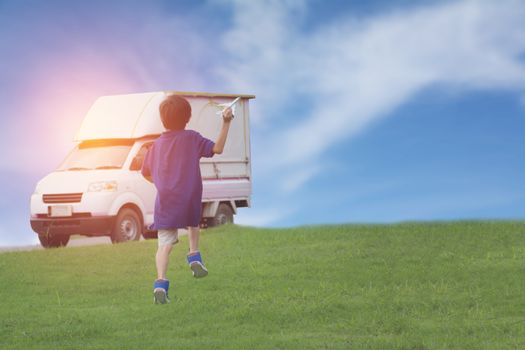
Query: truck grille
x=62, y=198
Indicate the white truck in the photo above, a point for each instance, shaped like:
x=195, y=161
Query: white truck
x=99, y=190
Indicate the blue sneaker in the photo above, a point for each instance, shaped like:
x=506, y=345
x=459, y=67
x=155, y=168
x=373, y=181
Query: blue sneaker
x=196, y=265
x=160, y=291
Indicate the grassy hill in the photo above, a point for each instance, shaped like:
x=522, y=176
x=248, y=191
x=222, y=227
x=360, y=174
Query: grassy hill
x=453, y=285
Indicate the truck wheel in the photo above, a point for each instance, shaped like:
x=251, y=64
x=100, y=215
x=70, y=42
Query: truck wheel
x=127, y=226
x=224, y=215
x=53, y=241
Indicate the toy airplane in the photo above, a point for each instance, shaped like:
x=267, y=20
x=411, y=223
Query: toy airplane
x=228, y=105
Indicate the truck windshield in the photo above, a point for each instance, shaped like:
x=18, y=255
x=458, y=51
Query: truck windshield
x=95, y=156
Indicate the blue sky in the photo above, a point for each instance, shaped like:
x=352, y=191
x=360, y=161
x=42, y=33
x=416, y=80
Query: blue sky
x=377, y=111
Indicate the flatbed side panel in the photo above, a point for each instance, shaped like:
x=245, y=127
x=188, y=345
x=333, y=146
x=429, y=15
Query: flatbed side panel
x=235, y=160
x=226, y=189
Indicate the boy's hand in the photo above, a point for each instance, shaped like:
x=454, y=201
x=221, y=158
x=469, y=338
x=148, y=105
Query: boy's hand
x=227, y=115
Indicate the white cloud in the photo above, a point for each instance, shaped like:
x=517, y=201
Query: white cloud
x=257, y=48
x=261, y=216
x=299, y=178
x=355, y=72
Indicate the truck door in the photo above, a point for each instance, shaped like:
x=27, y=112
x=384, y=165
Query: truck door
x=144, y=189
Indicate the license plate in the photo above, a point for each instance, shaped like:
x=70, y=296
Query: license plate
x=60, y=210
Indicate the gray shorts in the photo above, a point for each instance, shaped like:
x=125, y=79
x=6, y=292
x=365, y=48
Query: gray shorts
x=166, y=237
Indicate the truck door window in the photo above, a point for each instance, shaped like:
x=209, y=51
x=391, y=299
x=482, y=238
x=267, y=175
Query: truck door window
x=136, y=164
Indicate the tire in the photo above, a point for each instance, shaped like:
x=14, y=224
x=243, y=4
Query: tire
x=53, y=241
x=223, y=216
x=127, y=226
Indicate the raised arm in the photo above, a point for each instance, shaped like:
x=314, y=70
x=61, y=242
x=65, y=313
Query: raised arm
x=227, y=117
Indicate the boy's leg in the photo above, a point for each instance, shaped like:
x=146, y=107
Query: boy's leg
x=193, y=238
x=194, y=256
x=162, y=259
x=166, y=240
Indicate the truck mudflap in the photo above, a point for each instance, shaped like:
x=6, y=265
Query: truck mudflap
x=89, y=226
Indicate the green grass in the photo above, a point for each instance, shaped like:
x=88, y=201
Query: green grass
x=458, y=285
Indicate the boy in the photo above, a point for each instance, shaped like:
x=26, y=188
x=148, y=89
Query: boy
x=172, y=164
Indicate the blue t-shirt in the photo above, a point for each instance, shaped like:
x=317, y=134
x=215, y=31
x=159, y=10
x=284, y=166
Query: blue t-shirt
x=173, y=163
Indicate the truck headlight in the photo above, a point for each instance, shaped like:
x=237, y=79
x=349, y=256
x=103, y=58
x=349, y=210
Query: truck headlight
x=103, y=186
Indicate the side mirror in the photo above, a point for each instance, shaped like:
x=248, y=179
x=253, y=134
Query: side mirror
x=136, y=163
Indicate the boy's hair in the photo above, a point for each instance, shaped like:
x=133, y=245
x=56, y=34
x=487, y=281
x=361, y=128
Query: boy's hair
x=175, y=112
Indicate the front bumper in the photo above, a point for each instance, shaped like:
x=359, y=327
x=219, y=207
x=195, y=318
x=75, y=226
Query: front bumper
x=88, y=226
